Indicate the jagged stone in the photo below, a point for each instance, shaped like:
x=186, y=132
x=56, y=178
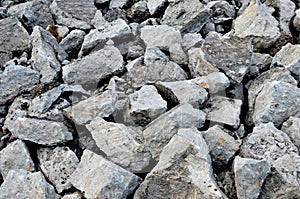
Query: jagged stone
x=16, y=80
x=191, y=40
x=296, y=20
x=154, y=54
x=185, y=17
x=95, y=67
x=98, y=177
x=15, y=42
x=249, y=176
x=224, y=110
x=75, y=195
x=276, y=102
x=118, y=143
x=138, y=11
x=40, y=131
x=159, y=132
x=292, y=128
x=183, y=92
x=9, y=161
x=184, y=170
x=155, y=6
x=222, y=147
x=118, y=3
x=59, y=32
x=58, y=165
x=258, y=24
x=260, y=62
x=72, y=42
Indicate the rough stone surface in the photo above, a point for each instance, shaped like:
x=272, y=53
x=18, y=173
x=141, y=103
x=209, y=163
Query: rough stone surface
x=24, y=184
x=155, y=6
x=40, y=131
x=8, y=160
x=75, y=195
x=118, y=143
x=292, y=128
x=191, y=40
x=159, y=132
x=58, y=165
x=97, y=177
x=184, y=170
x=250, y=175
x=72, y=42
x=296, y=21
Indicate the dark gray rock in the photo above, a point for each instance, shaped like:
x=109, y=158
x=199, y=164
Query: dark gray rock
x=3, y=13
x=72, y=42
x=292, y=128
x=138, y=12
x=249, y=176
x=9, y=160
x=98, y=177
x=184, y=170
x=159, y=132
x=58, y=165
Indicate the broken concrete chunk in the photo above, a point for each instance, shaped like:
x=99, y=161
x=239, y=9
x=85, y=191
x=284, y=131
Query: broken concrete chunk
x=159, y=132
x=72, y=42
x=9, y=160
x=24, y=184
x=100, y=178
x=94, y=67
x=222, y=147
x=257, y=23
x=292, y=128
x=183, y=92
x=249, y=176
x=184, y=170
x=276, y=102
x=186, y=18
x=15, y=42
x=224, y=110
x=118, y=143
x=40, y=131
x=58, y=165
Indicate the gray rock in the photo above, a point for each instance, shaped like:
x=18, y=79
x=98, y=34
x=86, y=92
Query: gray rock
x=261, y=62
x=118, y=143
x=267, y=142
x=58, y=165
x=15, y=156
x=292, y=128
x=94, y=67
x=159, y=132
x=222, y=147
x=16, y=80
x=58, y=31
x=24, y=184
x=3, y=13
x=185, y=17
x=138, y=11
x=100, y=2
x=40, y=131
x=296, y=20
x=98, y=177
x=33, y=13
x=191, y=40
x=184, y=170
x=258, y=84
x=257, y=23
x=183, y=92
x=118, y=3
x=288, y=57
x=46, y=55
x=117, y=30
x=72, y=42
x=155, y=6
x=154, y=54
x=100, y=105
x=75, y=195
x=276, y=102
x=249, y=176
x=16, y=41
x=224, y=110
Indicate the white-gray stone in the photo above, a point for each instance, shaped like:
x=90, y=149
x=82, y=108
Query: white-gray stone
x=296, y=21
x=292, y=128
x=154, y=6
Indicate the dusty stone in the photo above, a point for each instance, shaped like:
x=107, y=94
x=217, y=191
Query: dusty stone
x=75, y=195
x=224, y=110
x=292, y=128
x=222, y=147
x=15, y=80
x=58, y=165
x=260, y=62
x=118, y=3
x=9, y=161
x=159, y=132
x=118, y=143
x=250, y=173
x=24, y=184
x=178, y=55
x=296, y=20
x=184, y=170
x=185, y=17
x=40, y=131
x=46, y=55
x=191, y=40
x=276, y=102
x=97, y=177
x=72, y=42
x=94, y=67
x=183, y=92
x=155, y=6
x=154, y=54
x=257, y=23
x=15, y=42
